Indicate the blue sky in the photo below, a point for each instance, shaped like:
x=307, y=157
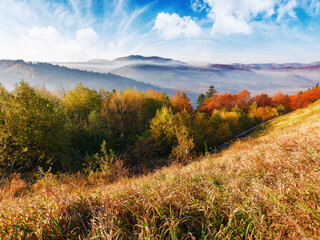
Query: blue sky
x=216, y=31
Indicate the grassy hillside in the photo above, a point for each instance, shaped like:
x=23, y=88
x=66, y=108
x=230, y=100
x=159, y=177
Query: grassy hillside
x=265, y=187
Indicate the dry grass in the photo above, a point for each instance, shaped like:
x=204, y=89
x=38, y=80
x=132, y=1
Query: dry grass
x=262, y=188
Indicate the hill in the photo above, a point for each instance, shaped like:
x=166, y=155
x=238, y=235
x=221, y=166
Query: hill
x=265, y=187
x=54, y=77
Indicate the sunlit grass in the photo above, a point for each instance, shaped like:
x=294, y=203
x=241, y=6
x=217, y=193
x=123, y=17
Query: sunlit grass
x=260, y=188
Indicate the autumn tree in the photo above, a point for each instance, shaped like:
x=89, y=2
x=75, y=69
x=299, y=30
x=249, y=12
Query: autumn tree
x=281, y=99
x=181, y=102
x=163, y=130
x=262, y=100
x=210, y=105
x=123, y=114
x=263, y=114
x=182, y=152
x=243, y=100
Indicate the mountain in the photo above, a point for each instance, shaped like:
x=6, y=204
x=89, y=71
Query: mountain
x=54, y=77
x=276, y=66
x=169, y=73
x=142, y=58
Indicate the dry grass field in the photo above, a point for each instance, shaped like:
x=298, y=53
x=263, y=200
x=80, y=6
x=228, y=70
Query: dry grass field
x=264, y=187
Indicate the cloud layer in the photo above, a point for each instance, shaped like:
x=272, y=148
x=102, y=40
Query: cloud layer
x=193, y=30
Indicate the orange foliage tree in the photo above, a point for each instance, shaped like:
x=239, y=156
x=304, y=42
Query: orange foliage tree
x=181, y=102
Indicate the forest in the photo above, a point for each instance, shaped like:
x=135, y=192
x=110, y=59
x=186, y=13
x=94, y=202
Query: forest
x=121, y=133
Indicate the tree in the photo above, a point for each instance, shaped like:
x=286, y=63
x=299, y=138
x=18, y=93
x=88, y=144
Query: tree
x=80, y=102
x=262, y=100
x=123, y=114
x=210, y=105
x=283, y=100
x=182, y=151
x=242, y=100
x=83, y=105
x=263, y=114
x=34, y=130
x=211, y=91
x=163, y=130
x=181, y=102
x=200, y=100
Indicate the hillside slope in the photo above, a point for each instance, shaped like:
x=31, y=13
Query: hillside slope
x=54, y=77
x=265, y=187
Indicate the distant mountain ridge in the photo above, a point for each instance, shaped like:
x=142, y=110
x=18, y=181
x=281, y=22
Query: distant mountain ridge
x=54, y=76
x=277, y=66
x=142, y=58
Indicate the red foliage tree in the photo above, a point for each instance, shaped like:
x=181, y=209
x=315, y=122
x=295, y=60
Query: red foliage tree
x=281, y=99
x=181, y=102
x=262, y=100
x=243, y=100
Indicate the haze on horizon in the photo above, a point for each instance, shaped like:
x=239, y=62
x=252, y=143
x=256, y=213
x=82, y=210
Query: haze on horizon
x=227, y=31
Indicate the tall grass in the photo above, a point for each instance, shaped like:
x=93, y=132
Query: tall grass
x=260, y=188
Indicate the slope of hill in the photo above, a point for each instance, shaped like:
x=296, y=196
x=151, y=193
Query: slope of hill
x=54, y=77
x=260, y=188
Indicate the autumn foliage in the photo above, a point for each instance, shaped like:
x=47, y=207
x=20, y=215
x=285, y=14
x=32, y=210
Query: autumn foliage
x=141, y=129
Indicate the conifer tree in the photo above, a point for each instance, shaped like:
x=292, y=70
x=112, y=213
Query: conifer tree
x=210, y=92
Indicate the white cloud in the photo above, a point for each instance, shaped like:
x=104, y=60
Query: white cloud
x=287, y=9
x=87, y=36
x=197, y=5
x=48, y=34
x=315, y=7
x=172, y=26
x=234, y=16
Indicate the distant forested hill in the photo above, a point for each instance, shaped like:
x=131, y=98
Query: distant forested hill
x=54, y=77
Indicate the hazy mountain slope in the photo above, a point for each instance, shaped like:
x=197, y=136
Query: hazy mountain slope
x=260, y=188
x=54, y=77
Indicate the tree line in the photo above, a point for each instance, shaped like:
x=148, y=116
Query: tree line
x=88, y=130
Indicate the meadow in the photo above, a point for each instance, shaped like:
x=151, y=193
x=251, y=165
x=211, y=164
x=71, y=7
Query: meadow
x=262, y=187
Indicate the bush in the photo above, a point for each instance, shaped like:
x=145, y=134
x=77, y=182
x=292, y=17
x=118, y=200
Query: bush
x=108, y=167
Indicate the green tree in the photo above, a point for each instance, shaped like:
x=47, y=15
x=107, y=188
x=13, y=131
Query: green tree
x=123, y=114
x=211, y=91
x=83, y=107
x=200, y=100
x=80, y=102
x=34, y=130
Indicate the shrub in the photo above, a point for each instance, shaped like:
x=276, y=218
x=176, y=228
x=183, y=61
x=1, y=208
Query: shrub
x=109, y=167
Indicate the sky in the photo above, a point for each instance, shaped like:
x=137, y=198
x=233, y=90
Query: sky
x=215, y=31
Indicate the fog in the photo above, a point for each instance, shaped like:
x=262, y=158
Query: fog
x=196, y=78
